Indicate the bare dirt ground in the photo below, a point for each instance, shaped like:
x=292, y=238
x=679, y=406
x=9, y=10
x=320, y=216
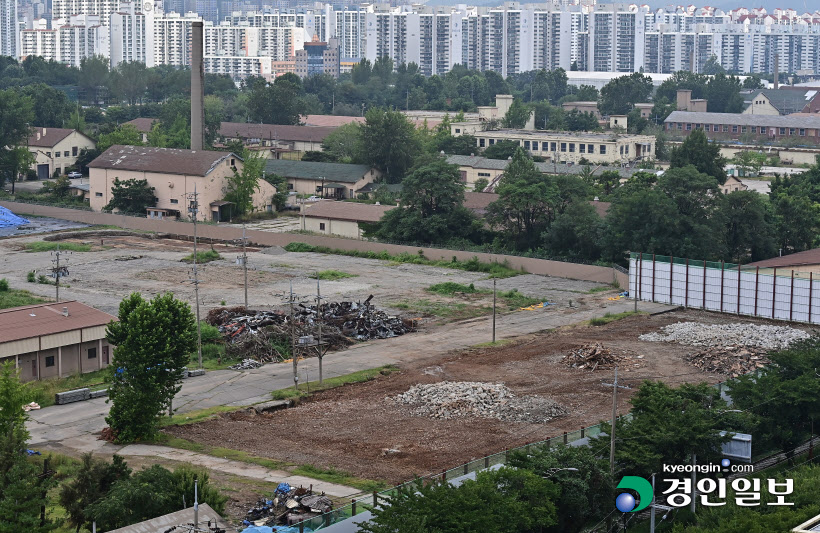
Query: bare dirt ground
x=349, y=427
x=118, y=266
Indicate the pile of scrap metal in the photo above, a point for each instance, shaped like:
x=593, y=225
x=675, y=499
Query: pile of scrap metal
x=267, y=335
x=289, y=505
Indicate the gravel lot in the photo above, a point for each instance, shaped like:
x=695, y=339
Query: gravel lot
x=117, y=266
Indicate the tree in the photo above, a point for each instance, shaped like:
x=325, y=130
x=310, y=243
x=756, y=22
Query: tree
x=480, y=184
x=241, y=187
x=16, y=113
x=51, y=106
x=460, y=145
x=517, y=115
x=798, y=222
x=14, y=161
x=344, y=143
x=683, y=79
x=621, y=94
x=93, y=480
x=506, y=500
x=131, y=196
x=581, y=121
x=277, y=103
x=281, y=184
x=152, y=492
x=93, y=75
x=713, y=66
x=525, y=205
x=126, y=134
x=753, y=82
x=586, y=494
x=153, y=340
x=431, y=210
x=389, y=143
x=750, y=227
x=749, y=162
x=784, y=397
x=723, y=94
x=128, y=81
x=704, y=155
x=504, y=149
x=21, y=492
x=86, y=156
x=576, y=232
x=669, y=426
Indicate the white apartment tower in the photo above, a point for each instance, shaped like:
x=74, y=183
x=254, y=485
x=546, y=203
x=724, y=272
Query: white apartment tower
x=9, y=29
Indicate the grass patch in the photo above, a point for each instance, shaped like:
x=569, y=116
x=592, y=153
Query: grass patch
x=329, y=475
x=452, y=310
x=515, y=300
x=192, y=417
x=43, y=391
x=596, y=290
x=47, y=246
x=332, y=275
x=202, y=257
x=331, y=383
x=610, y=317
x=494, y=270
x=450, y=288
x=18, y=297
x=213, y=357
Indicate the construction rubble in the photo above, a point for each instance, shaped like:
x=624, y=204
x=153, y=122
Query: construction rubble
x=731, y=360
x=288, y=506
x=738, y=334
x=266, y=336
x=460, y=399
x=596, y=356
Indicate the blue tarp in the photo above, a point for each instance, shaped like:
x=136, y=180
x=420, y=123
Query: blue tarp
x=10, y=220
x=276, y=529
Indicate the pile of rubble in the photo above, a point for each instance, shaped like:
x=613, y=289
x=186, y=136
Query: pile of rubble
x=595, y=356
x=257, y=334
x=289, y=505
x=246, y=364
x=732, y=360
x=460, y=399
x=739, y=334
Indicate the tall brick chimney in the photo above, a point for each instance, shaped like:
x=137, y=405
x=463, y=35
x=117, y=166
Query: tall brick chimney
x=197, y=87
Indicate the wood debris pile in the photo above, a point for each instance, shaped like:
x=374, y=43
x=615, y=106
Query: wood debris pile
x=289, y=505
x=596, y=356
x=732, y=360
x=268, y=335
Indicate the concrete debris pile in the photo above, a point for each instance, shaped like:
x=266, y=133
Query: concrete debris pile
x=246, y=364
x=731, y=360
x=460, y=399
x=267, y=335
x=738, y=334
x=289, y=505
x=595, y=356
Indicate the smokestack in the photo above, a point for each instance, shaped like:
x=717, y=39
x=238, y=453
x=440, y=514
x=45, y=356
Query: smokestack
x=776, y=70
x=197, y=87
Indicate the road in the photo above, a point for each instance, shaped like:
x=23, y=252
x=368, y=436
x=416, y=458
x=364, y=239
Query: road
x=75, y=426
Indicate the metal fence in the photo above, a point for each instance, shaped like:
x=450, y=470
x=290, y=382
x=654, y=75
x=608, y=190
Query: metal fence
x=725, y=287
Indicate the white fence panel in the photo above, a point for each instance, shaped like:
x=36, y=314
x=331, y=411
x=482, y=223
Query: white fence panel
x=695, y=284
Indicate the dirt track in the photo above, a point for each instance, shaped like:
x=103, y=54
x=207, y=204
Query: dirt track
x=348, y=428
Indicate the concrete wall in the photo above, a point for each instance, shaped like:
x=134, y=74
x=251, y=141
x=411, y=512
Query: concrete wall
x=263, y=238
x=470, y=175
x=342, y=228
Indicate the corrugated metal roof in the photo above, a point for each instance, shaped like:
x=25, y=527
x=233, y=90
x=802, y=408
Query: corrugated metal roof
x=314, y=170
x=768, y=121
x=161, y=524
x=277, y=132
x=31, y=321
x=160, y=160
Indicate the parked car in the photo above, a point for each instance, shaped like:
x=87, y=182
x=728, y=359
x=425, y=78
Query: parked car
x=74, y=175
x=313, y=199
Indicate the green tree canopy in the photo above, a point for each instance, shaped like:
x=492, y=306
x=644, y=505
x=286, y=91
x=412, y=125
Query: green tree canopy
x=621, y=94
x=125, y=134
x=241, y=187
x=750, y=227
x=504, y=149
x=704, y=155
x=517, y=115
x=153, y=340
x=389, y=143
x=131, y=196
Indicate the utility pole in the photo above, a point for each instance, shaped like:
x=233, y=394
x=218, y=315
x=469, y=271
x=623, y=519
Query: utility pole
x=493, y=310
x=193, y=210
x=615, y=388
x=244, y=260
x=320, y=346
x=293, y=344
x=58, y=270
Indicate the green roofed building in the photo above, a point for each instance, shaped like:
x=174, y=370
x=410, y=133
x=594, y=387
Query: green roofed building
x=328, y=180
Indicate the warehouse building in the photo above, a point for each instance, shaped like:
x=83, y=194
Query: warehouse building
x=54, y=339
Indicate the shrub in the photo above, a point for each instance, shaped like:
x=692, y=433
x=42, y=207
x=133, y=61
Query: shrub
x=4, y=285
x=31, y=277
x=300, y=247
x=210, y=334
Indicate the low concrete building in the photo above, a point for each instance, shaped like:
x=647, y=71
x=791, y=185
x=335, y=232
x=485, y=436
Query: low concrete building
x=328, y=180
x=143, y=125
x=781, y=101
x=173, y=174
x=488, y=115
x=284, y=142
x=80, y=190
x=733, y=184
x=56, y=149
x=54, y=339
x=799, y=129
x=340, y=218
x=583, y=107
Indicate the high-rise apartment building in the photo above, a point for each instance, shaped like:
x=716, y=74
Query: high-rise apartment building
x=9, y=28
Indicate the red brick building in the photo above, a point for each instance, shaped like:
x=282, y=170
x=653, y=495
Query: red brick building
x=801, y=130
